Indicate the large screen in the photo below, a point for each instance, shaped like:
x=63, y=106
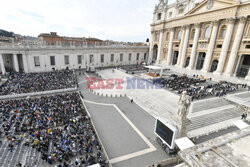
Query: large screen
x=164, y=132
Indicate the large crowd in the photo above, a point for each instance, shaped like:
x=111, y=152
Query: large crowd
x=218, y=90
x=131, y=69
x=175, y=82
x=19, y=83
x=198, y=88
x=57, y=126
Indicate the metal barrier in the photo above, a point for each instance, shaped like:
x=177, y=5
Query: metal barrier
x=16, y=96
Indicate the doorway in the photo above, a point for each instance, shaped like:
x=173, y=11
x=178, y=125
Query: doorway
x=187, y=62
x=20, y=62
x=244, y=66
x=200, y=60
x=175, y=57
x=155, y=51
x=8, y=62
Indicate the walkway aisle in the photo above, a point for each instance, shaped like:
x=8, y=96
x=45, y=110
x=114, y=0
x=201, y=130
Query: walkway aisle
x=125, y=129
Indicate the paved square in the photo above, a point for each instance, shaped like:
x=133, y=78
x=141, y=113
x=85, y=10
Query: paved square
x=118, y=136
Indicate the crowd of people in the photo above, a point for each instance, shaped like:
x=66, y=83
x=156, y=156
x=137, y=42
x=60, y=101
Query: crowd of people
x=131, y=69
x=196, y=87
x=19, y=83
x=175, y=82
x=218, y=90
x=58, y=126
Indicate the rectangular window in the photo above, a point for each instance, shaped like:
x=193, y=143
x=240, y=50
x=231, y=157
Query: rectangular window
x=159, y=16
x=129, y=57
x=91, y=58
x=36, y=61
x=121, y=57
x=112, y=57
x=145, y=56
x=52, y=60
x=66, y=60
x=247, y=46
x=170, y=14
x=181, y=11
x=191, y=45
x=79, y=59
x=102, y=58
x=137, y=56
x=219, y=46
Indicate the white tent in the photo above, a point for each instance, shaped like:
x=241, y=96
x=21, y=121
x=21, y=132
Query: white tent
x=95, y=165
x=156, y=68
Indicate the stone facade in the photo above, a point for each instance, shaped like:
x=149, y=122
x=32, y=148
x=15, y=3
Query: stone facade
x=210, y=36
x=46, y=58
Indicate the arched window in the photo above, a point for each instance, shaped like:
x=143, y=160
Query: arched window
x=207, y=32
x=192, y=34
x=179, y=35
x=159, y=16
x=214, y=66
x=155, y=51
x=223, y=32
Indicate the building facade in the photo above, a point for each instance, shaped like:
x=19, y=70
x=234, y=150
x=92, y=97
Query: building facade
x=53, y=39
x=209, y=36
x=47, y=58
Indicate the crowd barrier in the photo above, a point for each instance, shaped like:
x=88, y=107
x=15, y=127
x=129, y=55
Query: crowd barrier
x=16, y=96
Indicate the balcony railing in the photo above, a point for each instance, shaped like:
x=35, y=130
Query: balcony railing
x=246, y=38
x=204, y=39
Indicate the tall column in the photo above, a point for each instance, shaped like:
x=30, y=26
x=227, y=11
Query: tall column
x=25, y=63
x=170, y=46
x=150, y=56
x=225, y=46
x=180, y=46
x=160, y=47
x=16, y=66
x=185, y=45
x=2, y=64
x=248, y=75
x=195, y=44
x=237, y=66
x=236, y=44
x=210, y=47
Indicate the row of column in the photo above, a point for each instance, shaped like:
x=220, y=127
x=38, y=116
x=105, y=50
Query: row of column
x=15, y=63
x=224, y=51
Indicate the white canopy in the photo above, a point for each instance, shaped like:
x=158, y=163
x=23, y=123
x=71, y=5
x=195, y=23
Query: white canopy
x=95, y=165
x=155, y=67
